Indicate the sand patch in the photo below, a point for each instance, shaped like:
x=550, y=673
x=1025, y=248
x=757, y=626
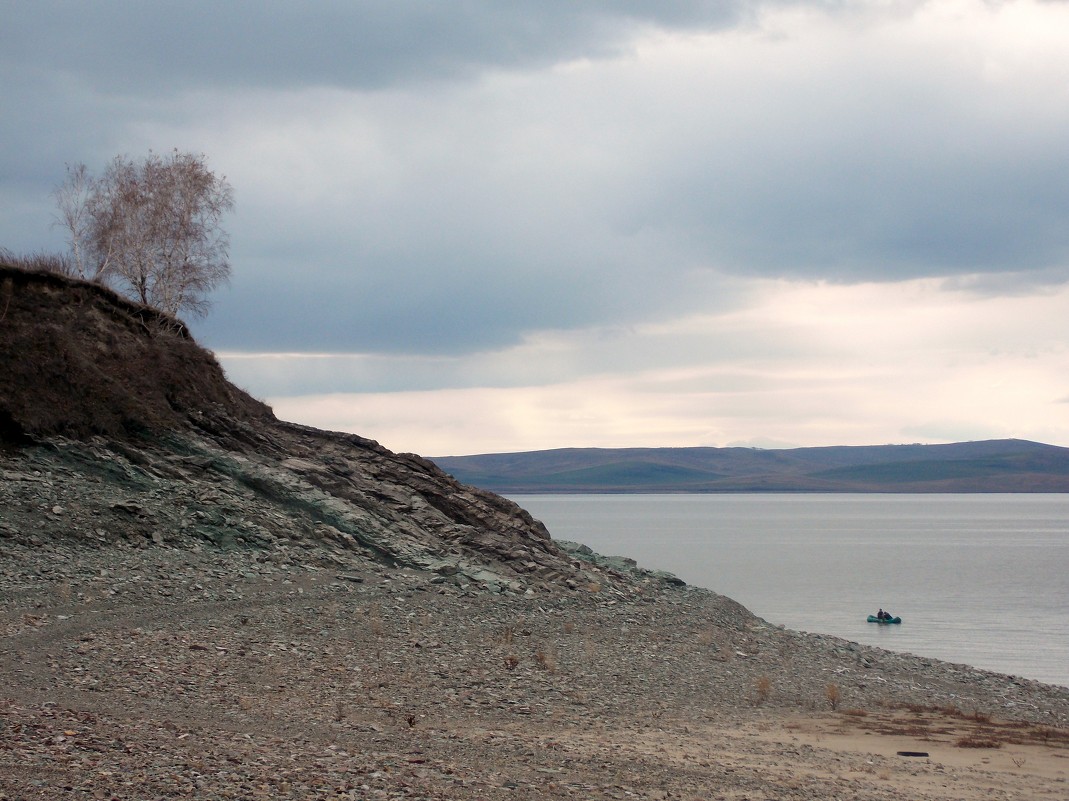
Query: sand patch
x=964, y=752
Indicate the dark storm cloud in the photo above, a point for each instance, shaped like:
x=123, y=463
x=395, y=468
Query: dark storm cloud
x=171, y=46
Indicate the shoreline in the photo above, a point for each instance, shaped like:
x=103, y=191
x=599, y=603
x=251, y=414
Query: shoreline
x=976, y=583
x=628, y=565
x=147, y=672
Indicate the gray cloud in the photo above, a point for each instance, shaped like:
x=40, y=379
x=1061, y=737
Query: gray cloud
x=413, y=178
x=168, y=46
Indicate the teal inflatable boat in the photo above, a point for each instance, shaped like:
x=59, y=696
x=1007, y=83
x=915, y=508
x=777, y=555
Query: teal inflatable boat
x=885, y=621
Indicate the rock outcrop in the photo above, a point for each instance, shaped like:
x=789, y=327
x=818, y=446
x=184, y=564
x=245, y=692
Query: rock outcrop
x=116, y=425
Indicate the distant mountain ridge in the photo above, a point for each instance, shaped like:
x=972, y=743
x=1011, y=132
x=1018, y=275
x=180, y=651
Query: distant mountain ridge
x=1005, y=465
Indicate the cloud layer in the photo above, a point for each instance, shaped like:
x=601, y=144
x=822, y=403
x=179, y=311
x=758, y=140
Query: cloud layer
x=597, y=217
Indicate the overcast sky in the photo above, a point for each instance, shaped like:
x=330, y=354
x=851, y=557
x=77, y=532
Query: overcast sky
x=483, y=226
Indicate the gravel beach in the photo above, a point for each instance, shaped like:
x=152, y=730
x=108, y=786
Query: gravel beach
x=163, y=672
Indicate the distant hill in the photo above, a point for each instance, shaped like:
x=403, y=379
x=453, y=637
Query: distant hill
x=1007, y=465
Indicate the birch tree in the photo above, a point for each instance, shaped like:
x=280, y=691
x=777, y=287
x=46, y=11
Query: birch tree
x=72, y=200
x=151, y=229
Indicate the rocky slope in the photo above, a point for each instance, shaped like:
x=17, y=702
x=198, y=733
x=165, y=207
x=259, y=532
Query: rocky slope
x=117, y=426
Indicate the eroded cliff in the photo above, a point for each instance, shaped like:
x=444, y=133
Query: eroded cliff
x=117, y=426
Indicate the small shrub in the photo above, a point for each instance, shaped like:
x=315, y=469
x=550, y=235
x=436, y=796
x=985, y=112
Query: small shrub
x=831, y=692
x=511, y=661
x=569, y=627
x=762, y=690
x=854, y=712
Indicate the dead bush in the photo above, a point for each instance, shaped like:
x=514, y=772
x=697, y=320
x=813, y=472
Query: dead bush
x=832, y=693
x=762, y=690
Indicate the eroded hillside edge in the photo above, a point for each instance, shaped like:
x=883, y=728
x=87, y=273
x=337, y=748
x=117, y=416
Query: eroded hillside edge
x=117, y=426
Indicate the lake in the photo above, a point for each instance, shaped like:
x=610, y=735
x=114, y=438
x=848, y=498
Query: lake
x=977, y=579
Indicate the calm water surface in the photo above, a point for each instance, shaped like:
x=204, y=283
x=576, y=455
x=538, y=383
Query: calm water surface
x=979, y=579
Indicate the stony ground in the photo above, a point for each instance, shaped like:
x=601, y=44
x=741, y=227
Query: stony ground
x=160, y=672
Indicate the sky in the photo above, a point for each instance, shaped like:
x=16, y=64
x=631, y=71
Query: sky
x=504, y=225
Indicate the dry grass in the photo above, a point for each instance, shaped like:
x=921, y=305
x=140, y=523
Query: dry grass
x=38, y=262
x=81, y=361
x=948, y=723
x=546, y=659
x=978, y=741
x=374, y=620
x=506, y=635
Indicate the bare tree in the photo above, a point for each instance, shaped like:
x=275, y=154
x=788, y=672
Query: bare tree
x=151, y=228
x=72, y=200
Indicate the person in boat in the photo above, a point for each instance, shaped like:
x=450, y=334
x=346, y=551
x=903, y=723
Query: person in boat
x=881, y=615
